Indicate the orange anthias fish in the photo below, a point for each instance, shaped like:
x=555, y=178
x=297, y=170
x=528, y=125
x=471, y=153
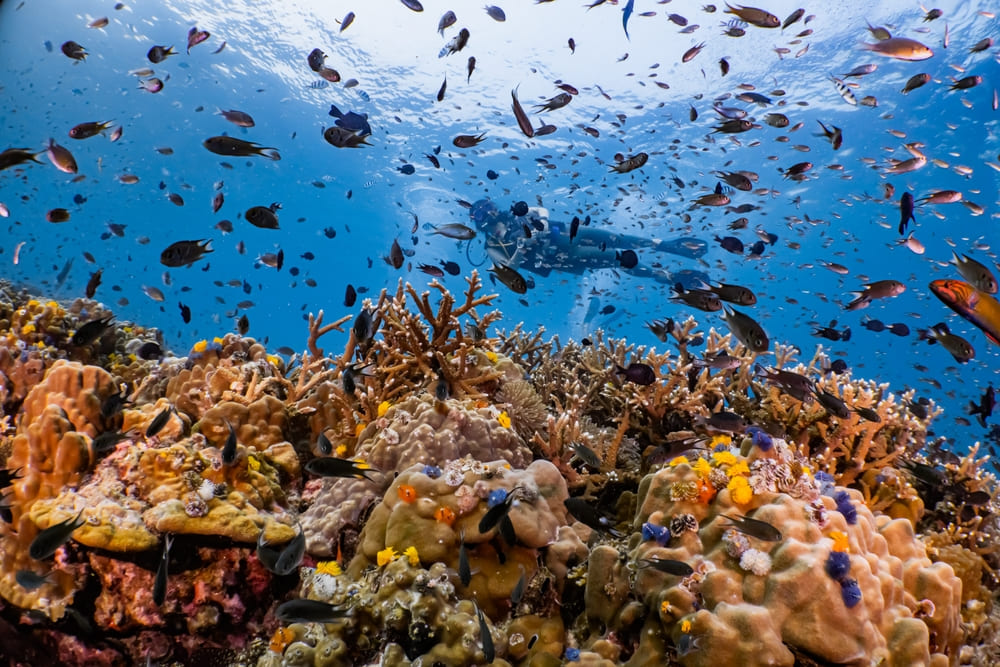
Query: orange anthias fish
x=974, y=305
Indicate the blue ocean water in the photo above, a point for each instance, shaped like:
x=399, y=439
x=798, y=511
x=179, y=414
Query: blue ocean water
x=342, y=208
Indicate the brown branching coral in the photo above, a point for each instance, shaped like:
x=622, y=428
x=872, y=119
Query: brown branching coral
x=415, y=345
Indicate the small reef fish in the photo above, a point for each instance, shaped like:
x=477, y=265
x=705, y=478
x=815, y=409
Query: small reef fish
x=238, y=118
x=291, y=555
x=467, y=140
x=523, y=121
x=984, y=410
x=755, y=16
x=880, y=289
x=900, y=48
x=585, y=513
x=448, y=19
x=638, y=373
x=976, y=273
x=457, y=43
x=485, y=638
x=754, y=528
x=746, y=330
x=631, y=163
x=30, y=580
x=233, y=147
x=263, y=217
x=159, y=421
x=626, y=15
x=329, y=466
x=195, y=37
x=87, y=130
x=832, y=403
x=229, y=449
x=61, y=158
x=91, y=331
x=455, y=230
x=309, y=611
x=73, y=51
x=49, y=540
x=184, y=253
x=906, y=212
x=499, y=511
x=678, y=568
x=844, y=91
x=510, y=277
x=160, y=582
x=959, y=348
x=158, y=54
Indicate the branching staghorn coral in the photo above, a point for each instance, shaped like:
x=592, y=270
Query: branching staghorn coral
x=414, y=345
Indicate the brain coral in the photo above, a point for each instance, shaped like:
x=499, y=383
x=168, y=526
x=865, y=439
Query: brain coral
x=750, y=600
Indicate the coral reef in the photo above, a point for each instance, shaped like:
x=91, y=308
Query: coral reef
x=606, y=539
x=753, y=599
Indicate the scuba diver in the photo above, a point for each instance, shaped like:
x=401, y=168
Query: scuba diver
x=525, y=239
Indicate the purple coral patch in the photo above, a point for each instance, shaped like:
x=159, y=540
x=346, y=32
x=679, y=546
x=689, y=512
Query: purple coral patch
x=496, y=497
x=761, y=439
x=838, y=565
x=846, y=507
x=850, y=591
x=650, y=531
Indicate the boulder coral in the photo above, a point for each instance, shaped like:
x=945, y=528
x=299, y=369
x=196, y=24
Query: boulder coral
x=52, y=450
x=752, y=599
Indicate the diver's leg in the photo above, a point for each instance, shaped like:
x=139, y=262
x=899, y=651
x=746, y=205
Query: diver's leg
x=685, y=246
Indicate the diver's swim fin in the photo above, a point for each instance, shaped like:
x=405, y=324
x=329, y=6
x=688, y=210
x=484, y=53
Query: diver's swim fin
x=685, y=246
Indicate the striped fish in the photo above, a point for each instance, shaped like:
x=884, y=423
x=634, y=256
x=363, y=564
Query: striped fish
x=844, y=91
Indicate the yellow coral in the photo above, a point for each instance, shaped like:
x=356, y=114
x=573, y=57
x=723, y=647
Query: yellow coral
x=702, y=467
x=492, y=356
x=412, y=556
x=383, y=407
x=330, y=567
x=28, y=329
x=740, y=490
x=720, y=440
x=253, y=462
x=723, y=458
x=840, y=541
x=677, y=460
x=341, y=450
x=740, y=468
x=385, y=556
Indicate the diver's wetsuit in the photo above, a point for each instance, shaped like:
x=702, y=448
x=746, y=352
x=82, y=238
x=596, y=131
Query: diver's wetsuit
x=549, y=247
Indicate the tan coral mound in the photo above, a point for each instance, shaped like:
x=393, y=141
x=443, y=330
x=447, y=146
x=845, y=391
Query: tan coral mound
x=52, y=448
x=417, y=430
x=749, y=599
x=138, y=493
